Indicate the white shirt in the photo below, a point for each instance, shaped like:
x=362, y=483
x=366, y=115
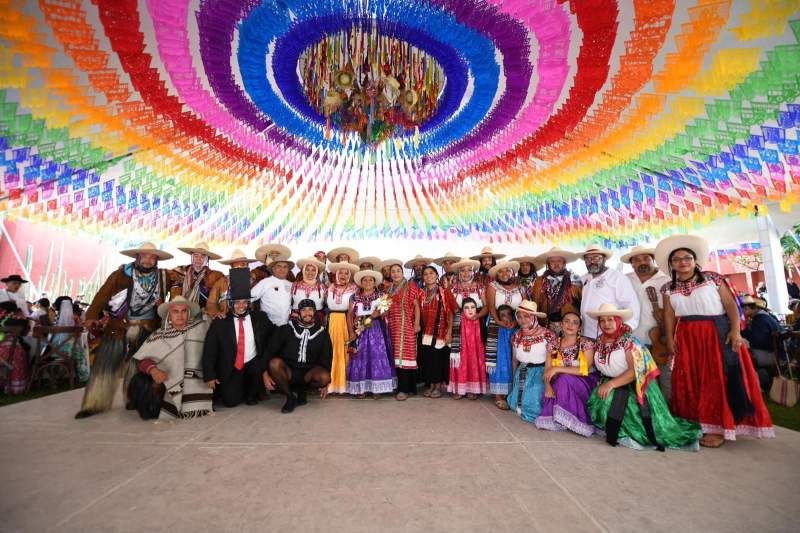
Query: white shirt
x=616, y=364
x=704, y=300
x=249, y=337
x=275, y=296
x=646, y=320
x=610, y=287
x=18, y=298
x=536, y=355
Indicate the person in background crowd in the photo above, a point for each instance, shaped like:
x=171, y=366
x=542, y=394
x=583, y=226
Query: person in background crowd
x=713, y=380
x=271, y=253
x=308, y=286
x=555, y=291
x=194, y=281
x=65, y=318
x=604, y=285
x=417, y=265
x=449, y=276
x=323, y=276
x=132, y=293
x=369, y=263
x=760, y=327
x=42, y=312
x=12, y=293
x=527, y=272
x=624, y=405
x=12, y=350
x=792, y=288
x=647, y=281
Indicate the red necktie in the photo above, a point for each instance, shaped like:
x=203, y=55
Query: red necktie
x=240, y=347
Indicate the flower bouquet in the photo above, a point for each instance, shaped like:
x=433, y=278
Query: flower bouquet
x=363, y=323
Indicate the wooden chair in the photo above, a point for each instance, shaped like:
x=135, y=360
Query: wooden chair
x=16, y=333
x=56, y=359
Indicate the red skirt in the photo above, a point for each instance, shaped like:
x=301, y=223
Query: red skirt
x=698, y=384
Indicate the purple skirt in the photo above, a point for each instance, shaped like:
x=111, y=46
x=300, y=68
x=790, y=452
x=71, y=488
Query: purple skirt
x=371, y=368
x=568, y=409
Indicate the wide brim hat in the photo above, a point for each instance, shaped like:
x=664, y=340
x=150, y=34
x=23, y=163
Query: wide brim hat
x=418, y=259
x=201, y=248
x=611, y=310
x=759, y=302
x=147, y=248
x=531, y=307
x=368, y=274
x=555, y=251
x=692, y=242
x=487, y=252
x=475, y=264
x=352, y=253
x=528, y=259
x=238, y=256
x=163, y=309
x=371, y=259
x=391, y=262
x=262, y=252
x=14, y=277
x=334, y=267
x=513, y=265
x=596, y=249
x=637, y=250
x=275, y=262
x=311, y=261
x=449, y=256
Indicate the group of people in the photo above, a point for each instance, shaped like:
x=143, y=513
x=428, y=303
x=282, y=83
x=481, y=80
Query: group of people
x=652, y=359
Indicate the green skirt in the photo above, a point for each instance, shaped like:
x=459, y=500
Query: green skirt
x=670, y=431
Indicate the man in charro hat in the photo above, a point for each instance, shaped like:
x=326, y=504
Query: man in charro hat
x=133, y=293
x=603, y=285
x=449, y=276
x=275, y=291
x=194, y=281
x=271, y=255
x=488, y=259
x=555, y=291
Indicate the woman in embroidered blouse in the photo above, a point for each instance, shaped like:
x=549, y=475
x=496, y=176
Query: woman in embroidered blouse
x=308, y=286
x=503, y=290
x=403, y=320
x=569, y=379
x=338, y=299
x=713, y=380
x=624, y=405
x=436, y=314
x=370, y=368
x=531, y=346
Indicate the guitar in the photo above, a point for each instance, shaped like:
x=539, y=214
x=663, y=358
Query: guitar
x=658, y=340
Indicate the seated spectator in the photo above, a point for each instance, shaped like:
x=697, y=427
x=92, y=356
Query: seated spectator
x=12, y=351
x=13, y=293
x=759, y=330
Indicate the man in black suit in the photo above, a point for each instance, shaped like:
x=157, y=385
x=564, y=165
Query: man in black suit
x=300, y=356
x=235, y=350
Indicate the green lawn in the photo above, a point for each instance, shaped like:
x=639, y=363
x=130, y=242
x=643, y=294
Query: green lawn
x=788, y=417
x=36, y=393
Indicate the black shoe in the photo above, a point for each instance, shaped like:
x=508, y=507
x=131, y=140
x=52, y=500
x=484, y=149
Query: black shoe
x=85, y=413
x=251, y=401
x=288, y=407
x=302, y=397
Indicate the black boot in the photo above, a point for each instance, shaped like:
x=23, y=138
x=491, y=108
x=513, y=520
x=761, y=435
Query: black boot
x=302, y=396
x=289, y=406
x=85, y=413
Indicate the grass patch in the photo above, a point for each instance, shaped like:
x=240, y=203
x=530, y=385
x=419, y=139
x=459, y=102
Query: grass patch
x=41, y=392
x=787, y=417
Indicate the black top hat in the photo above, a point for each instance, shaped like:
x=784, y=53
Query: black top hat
x=14, y=277
x=239, y=284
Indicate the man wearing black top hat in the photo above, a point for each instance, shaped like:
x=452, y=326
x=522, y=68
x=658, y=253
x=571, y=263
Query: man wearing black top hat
x=300, y=357
x=235, y=350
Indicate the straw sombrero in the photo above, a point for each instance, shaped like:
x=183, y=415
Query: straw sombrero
x=638, y=250
x=350, y=252
x=611, y=310
x=513, y=265
x=238, y=256
x=487, y=252
x=555, y=251
x=347, y=266
x=596, y=249
x=391, y=262
x=147, y=248
x=301, y=263
x=418, y=259
x=531, y=307
x=529, y=259
x=377, y=276
x=748, y=299
x=263, y=252
x=466, y=262
x=370, y=259
x=201, y=248
x=449, y=256
x=163, y=309
x=692, y=242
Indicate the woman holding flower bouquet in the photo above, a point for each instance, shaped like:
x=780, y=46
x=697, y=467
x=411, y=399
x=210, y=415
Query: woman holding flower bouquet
x=371, y=368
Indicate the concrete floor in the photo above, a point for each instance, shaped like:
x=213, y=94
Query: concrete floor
x=349, y=465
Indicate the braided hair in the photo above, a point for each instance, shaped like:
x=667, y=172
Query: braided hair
x=697, y=271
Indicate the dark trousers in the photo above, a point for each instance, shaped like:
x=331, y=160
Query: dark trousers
x=245, y=384
x=407, y=380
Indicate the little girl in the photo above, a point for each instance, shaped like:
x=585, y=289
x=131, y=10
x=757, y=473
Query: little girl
x=499, y=370
x=467, y=355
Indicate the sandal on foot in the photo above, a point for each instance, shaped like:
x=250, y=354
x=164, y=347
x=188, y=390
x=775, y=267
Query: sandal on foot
x=714, y=442
x=472, y=396
x=436, y=394
x=458, y=396
x=401, y=396
x=502, y=405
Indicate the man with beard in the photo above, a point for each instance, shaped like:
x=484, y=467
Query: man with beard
x=605, y=286
x=647, y=281
x=417, y=265
x=235, y=350
x=301, y=354
x=194, y=282
x=555, y=292
x=488, y=260
x=275, y=292
x=133, y=292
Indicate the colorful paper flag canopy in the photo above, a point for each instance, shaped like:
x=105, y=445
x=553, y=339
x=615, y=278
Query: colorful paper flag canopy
x=230, y=121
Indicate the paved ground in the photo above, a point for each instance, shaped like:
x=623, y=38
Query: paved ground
x=350, y=465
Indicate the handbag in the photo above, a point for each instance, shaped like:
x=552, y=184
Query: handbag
x=784, y=390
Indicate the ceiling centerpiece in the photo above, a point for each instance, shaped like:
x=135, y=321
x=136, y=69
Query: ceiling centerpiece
x=373, y=85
